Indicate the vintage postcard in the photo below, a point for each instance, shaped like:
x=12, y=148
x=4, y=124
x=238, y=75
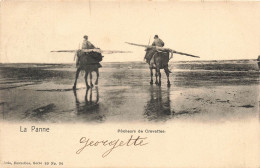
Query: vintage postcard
x=129, y=84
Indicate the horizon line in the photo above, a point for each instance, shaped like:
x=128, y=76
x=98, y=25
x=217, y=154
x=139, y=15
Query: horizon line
x=125, y=61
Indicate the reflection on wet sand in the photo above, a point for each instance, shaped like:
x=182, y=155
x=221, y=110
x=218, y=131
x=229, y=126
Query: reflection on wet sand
x=89, y=108
x=159, y=106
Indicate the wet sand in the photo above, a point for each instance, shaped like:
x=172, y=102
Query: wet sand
x=43, y=93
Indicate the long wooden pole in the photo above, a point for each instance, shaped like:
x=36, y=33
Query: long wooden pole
x=94, y=50
x=162, y=49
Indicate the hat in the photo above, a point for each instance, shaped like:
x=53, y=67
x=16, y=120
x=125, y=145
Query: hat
x=156, y=36
x=85, y=36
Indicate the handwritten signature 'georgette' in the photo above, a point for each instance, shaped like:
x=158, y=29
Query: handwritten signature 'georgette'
x=138, y=141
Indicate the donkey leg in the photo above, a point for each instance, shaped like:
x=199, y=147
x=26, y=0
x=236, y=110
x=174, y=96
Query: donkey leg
x=77, y=75
x=86, y=79
x=159, y=74
x=96, y=83
x=91, y=84
x=151, y=71
x=156, y=77
x=167, y=74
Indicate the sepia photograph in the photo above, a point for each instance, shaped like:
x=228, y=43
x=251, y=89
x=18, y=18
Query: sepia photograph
x=139, y=69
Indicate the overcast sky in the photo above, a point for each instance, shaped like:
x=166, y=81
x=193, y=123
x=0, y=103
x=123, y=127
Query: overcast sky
x=220, y=30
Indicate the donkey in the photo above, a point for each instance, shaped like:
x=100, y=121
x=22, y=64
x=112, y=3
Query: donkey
x=158, y=60
x=88, y=62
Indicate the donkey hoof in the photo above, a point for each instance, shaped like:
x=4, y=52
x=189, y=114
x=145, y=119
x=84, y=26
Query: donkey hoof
x=168, y=84
x=96, y=83
x=92, y=85
x=159, y=84
x=151, y=83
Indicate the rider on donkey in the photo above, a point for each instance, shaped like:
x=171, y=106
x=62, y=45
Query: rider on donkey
x=93, y=58
x=149, y=57
x=157, y=41
x=85, y=45
x=88, y=61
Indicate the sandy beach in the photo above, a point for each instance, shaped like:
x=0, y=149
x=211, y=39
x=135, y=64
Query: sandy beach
x=200, y=92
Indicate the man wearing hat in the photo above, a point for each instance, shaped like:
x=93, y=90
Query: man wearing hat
x=87, y=44
x=157, y=41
